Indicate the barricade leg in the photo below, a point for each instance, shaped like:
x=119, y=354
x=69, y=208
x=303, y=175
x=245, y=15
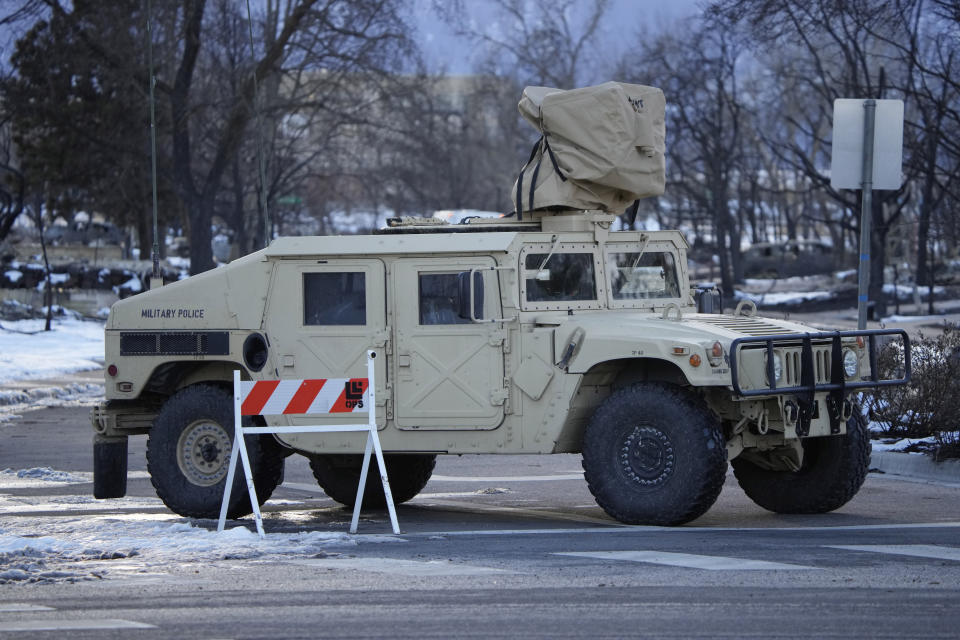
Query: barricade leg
x=372, y=437
x=245, y=458
x=364, y=468
x=373, y=446
x=234, y=453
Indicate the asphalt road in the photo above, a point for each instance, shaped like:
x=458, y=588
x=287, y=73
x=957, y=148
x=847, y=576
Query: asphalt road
x=509, y=546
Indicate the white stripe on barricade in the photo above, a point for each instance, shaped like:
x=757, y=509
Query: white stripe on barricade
x=286, y=397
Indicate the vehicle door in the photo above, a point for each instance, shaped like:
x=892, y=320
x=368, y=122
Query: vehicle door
x=323, y=316
x=448, y=369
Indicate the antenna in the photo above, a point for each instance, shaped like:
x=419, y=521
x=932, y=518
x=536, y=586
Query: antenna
x=260, y=159
x=155, y=251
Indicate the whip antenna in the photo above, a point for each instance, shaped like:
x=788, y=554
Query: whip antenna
x=260, y=159
x=155, y=251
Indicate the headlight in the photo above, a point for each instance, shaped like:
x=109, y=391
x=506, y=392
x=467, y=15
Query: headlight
x=850, y=363
x=777, y=369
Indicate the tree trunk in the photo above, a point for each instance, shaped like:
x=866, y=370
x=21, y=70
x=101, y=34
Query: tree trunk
x=878, y=259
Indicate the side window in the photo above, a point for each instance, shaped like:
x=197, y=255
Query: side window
x=652, y=274
x=439, y=299
x=335, y=298
x=564, y=277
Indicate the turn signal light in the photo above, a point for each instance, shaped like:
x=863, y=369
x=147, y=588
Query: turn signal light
x=695, y=360
x=112, y=371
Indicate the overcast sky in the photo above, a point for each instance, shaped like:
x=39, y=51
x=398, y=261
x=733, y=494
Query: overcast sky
x=624, y=18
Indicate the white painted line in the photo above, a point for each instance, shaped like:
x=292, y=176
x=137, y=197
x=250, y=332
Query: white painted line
x=72, y=625
x=402, y=567
x=916, y=550
x=562, y=476
x=687, y=560
x=9, y=607
x=617, y=528
x=310, y=488
x=513, y=511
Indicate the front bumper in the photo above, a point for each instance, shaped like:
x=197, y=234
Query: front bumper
x=814, y=364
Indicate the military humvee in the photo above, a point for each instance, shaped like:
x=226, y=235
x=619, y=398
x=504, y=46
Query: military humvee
x=549, y=334
x=541, y=332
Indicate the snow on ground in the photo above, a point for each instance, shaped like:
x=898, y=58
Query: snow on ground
x=783, y=297
x=29, y=353
x=69, y=540
x=73, y=345
x=892, y=444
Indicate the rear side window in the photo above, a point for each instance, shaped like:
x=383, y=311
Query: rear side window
x=439, y=299
x=335, y=298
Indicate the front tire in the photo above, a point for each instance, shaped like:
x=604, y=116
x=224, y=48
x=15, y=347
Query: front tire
x=833, y=470
x=188, y=455
x=339, y=477
x=654, y=454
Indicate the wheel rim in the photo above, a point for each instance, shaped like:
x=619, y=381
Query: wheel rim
x=203, y=452
x=647, y=456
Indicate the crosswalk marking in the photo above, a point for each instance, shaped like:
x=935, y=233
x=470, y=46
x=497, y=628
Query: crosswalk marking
x=72, y=625
x=9, y=607
x=688, y=560
x=915, y=550
x=402, y=567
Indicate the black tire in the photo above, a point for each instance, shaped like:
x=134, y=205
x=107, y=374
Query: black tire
x=654, y=454
x=339, y=477
x=109, y=467
x=188, y=455
x=833, y=470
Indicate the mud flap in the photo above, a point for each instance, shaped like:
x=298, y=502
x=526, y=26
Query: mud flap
x=109, y=467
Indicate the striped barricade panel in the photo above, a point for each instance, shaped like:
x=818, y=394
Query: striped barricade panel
x=287, y=397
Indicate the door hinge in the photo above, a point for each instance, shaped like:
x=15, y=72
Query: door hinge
x=381, y=340
x=500, y=396
x=499, y=339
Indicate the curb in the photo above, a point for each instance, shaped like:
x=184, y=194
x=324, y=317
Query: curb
x=917, y=466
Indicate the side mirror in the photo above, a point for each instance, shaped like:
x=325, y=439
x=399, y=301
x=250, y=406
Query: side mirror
x=466, y=292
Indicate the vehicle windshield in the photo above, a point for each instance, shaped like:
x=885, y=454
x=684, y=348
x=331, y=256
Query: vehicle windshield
x=636, y=275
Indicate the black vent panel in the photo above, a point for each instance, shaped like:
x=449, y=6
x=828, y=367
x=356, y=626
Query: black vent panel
x=174, y=343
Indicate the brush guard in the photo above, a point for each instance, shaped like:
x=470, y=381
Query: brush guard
x=837, y=387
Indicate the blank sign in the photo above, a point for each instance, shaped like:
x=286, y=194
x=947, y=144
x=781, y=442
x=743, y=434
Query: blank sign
x=846, y=167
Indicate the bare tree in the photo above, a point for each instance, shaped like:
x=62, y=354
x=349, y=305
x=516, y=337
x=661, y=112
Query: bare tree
x=545, y=42
x=706, y=121
x=837, y=54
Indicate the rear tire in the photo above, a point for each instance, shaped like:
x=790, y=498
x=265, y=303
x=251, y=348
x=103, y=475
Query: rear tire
x=339, y=477
x=654, y=454
x=188, y=455
x=833, y=470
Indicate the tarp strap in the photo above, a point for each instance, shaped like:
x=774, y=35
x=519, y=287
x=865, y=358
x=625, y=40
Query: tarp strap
x=632, y=213
x=553, y=159
x=533, y=154
x=533, y=178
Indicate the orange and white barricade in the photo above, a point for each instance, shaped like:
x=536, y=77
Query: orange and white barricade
x=322, y=396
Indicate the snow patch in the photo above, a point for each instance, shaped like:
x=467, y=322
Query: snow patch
x=13, y=403
x=73, y=345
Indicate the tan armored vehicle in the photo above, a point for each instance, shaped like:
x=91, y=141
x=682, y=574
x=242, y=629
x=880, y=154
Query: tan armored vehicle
x=542, y=332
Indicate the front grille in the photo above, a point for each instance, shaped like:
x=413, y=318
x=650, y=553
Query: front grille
x=791, y=365
x=174, y=343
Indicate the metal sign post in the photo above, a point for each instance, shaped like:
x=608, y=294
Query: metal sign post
x=866, y=212
x=867, y=154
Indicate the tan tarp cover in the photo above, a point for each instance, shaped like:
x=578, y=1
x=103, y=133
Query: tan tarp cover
x=607, y=142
